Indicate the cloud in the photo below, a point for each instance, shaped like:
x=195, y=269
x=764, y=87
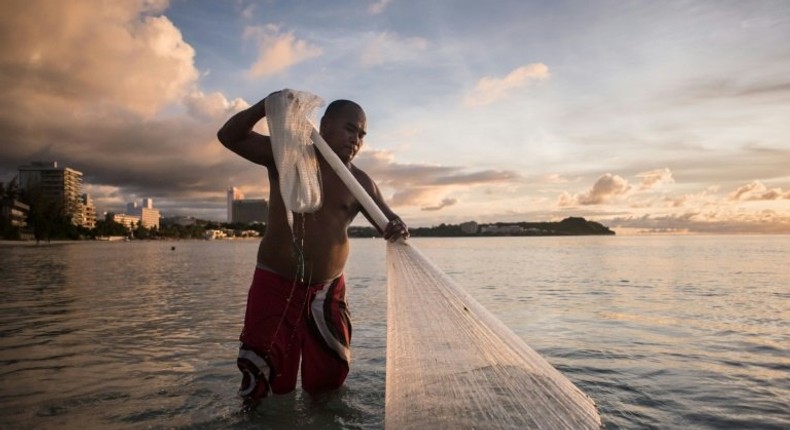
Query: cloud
x=248, y=12
x=554, y=178
x=728, y=88
x=477, y=178
x=105, y=195
x=277, y=51
x=706, y=211
x=606, y=188
x=489, y=90
x=705, y=197
x=122, y=54
x=756, y=190
x=426, y=197
x=378, y=7
x=610, y=187
x=445, y=202
x=389, y=48
x=416, y=196
x=765, y=221
x=103, y=87
x=213, y=105
x=381, y=164
x=654, y=178
x=427, y=186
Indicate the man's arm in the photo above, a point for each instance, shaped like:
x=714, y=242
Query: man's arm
x=396, y=228
x=237, y=135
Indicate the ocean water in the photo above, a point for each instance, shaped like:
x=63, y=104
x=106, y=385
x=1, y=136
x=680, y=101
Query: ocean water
x=663, y=332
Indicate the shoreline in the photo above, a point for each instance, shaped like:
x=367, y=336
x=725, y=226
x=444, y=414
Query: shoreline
x=24, y=243
x=5, y=242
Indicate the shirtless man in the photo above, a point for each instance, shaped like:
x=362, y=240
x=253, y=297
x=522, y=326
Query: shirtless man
x=296, y=305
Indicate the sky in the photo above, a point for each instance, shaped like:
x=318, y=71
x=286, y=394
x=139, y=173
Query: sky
x=645, y=116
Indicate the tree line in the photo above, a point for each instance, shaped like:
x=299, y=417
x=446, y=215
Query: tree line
x=48, y=219
x=571, y=226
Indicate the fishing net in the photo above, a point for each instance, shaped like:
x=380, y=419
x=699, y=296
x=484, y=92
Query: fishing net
x=288, y=114
x=450, y=363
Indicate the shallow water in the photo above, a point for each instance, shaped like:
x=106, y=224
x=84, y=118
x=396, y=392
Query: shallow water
x=663, y=332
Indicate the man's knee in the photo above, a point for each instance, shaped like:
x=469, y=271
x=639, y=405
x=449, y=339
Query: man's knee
x=316, y=384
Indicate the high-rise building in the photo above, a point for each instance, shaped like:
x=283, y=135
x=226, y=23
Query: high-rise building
x=233, y=195
x=148, y=216
x=88, y=215
x=61, y=185
x=248, y=211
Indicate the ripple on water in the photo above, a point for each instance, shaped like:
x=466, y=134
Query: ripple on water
x=660, y=333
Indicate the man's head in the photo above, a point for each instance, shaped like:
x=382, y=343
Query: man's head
x=344, y=126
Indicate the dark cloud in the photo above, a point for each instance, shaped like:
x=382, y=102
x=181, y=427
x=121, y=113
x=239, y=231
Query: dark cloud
x=442, y=205
x=427, y=186
x=477, y=178
x=382, y=166
x=728, y=88
x=115, y=98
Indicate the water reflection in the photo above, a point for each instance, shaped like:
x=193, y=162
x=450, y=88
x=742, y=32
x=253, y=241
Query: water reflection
x=662, y=332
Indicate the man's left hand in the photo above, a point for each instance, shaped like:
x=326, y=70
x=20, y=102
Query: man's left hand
x=395, y=230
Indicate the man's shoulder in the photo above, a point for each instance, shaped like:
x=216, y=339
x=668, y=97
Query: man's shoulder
x=358, y=173
x=361, y=176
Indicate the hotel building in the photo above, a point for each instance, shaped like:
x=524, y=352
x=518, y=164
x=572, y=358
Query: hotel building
x=147, y=215
x=62, y=186
x=246, y=211
x=233, y=195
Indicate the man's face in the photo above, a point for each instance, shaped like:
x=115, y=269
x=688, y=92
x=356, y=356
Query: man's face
x=345, y=131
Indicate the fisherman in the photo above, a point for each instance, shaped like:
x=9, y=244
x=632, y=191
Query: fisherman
x=296, y=306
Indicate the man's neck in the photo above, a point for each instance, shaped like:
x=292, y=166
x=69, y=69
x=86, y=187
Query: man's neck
x=323, y=162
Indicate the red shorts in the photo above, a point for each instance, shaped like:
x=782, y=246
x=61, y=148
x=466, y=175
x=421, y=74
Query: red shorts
x=287, y=320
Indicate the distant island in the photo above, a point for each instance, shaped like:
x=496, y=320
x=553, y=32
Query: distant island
x=571, y=226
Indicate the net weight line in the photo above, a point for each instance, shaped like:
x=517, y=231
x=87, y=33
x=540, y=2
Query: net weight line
x=451, y=364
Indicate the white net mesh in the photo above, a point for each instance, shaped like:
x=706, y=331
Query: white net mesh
x=287, y=114
x=450, y=363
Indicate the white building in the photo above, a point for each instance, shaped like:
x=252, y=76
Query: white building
x=215, y=234
x=149, y=217
x=128, y=221
x=502, y=229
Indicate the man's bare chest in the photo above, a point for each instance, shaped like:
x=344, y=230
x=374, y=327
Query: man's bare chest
x=337, y=202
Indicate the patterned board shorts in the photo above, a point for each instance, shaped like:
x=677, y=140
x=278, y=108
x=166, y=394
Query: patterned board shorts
x=287, y=321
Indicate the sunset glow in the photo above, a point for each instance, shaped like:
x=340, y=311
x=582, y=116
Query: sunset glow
x=643, y=116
